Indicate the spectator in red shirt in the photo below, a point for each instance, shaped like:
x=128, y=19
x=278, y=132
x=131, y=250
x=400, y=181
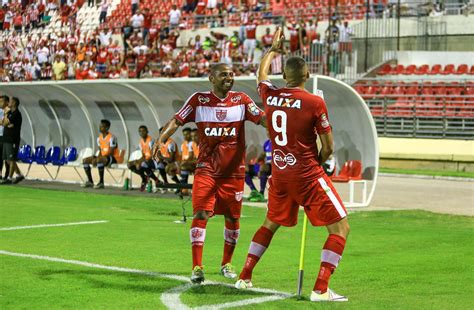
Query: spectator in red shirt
x=142, y=61
x=18, y=22
x=147, y=21
x=2, y=17
x=267, y=39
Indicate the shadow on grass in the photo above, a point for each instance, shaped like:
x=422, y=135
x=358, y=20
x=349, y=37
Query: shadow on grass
x=104, y=279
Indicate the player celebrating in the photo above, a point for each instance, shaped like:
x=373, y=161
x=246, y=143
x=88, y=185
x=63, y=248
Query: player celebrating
x=297, y=176
x=219, y=176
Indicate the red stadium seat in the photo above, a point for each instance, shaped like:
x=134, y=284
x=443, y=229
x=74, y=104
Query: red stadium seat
x=409, y=70
x=423, y=69
x=386, y=69
x=343, y=175
x=448, y=69
x=462, y=69
x=397, y=70
x=436, y=69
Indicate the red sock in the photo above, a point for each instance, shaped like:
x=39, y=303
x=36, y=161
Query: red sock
x=197, y=234
x=231, y=235
x=330, y=257
x=260, y=242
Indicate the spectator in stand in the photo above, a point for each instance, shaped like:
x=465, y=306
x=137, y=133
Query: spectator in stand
x=147, y=21
x=294, y=37
x=190, y=6
x=65, y=11
x=102, y=61
x=34, y=15
x=175, y=16
x=104, y=7
x=52, y=6
x=43, y=54
x=267, y=40
x=345, y=41
x=8, y=19
x=142, y=60
x=250, y=42
x=146, y=73
x=18, y=22
x=135, y=4
x=2, y=17
x=137, y=20
x=164, y=30
x=59, y=69
x=105, y=36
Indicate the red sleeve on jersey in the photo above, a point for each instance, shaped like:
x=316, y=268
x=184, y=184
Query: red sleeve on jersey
x=263, y=88
x=188, y=112
x=322, y=119
x=252, y=112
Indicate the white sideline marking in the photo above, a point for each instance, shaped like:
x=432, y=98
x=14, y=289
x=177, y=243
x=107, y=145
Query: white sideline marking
x=52, y=225
x=170, y=298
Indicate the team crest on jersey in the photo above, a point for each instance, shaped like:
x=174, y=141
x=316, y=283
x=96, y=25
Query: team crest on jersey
x=239, y=195
x=253, y=109
x=221, y=114
x=236, y=99
x=282, y=160
x=203, y=99
x=324, y=120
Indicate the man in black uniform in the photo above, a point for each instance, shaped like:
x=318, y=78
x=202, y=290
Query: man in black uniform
x=11, y=139
x=3, y=105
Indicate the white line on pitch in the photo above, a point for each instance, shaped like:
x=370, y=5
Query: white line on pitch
x=52, y=225
x=170, y=298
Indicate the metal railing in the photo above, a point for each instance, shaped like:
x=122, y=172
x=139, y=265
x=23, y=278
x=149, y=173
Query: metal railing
x=419, y=117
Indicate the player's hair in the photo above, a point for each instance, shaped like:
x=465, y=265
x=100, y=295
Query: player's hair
x=186, y=129
x=295, y=70
x=16, y=101
x=218, y=67
x=143, y=127
x=4, y=97
x=106, y=122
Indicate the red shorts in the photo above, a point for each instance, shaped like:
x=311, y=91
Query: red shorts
x=218, y=195
x=345, y=47
x=322, y=204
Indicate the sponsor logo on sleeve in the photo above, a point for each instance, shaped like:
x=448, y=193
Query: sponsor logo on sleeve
x=253, y=109
x=324, y=120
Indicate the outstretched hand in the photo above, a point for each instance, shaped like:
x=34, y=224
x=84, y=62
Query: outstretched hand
x=278, y=38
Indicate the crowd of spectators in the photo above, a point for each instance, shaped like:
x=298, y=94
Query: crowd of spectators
x=144, y=47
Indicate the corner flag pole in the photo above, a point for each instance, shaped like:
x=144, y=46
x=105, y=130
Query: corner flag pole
x=303, y=246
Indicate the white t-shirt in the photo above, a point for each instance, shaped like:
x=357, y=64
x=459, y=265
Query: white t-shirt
x=137, y=21
x=42, y=54
x=174, y=16
x=345, y=34
x=105, y=38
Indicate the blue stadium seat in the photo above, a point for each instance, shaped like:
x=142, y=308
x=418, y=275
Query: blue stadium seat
x=53, y=155
x=40, y=155
x=24, y=154
x=70, y=155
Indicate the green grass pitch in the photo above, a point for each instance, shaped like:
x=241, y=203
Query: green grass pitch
x=393, y=260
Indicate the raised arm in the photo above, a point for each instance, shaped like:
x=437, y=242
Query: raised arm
x=262, y=73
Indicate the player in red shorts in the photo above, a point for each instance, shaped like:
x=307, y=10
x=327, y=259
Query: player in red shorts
x=295, y=118
x=218, y=186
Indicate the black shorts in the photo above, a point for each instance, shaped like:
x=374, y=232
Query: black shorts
x=110, y=160
x=10, y=151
